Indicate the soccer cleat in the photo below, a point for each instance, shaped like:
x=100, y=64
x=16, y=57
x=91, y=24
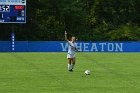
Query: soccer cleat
x=71, y=70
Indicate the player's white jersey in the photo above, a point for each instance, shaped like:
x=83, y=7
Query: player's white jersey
x=71, y=48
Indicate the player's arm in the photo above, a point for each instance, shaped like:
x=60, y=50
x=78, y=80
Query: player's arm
x=76, y=48
x=66, y=38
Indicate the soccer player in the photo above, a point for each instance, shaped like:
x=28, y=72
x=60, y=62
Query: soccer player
x=72, y=48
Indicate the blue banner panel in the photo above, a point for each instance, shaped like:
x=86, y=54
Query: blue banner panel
x=62, y=46
x=5, y=46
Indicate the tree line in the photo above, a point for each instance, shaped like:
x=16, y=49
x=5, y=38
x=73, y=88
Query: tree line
x=88, y=20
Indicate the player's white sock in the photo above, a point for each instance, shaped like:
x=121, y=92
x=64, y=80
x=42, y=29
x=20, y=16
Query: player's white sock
x=69, y=66
x=72, y=66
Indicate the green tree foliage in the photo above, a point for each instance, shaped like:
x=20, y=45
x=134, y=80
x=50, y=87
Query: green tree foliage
x=95, y=20
x=113, y=16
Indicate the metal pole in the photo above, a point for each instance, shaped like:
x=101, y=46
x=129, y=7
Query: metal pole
x=12, y=39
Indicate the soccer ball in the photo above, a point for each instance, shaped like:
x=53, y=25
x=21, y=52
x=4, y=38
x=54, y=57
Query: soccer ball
x=87, y=72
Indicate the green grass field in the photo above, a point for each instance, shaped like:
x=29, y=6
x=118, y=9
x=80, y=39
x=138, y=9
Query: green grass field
x=47, y=73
